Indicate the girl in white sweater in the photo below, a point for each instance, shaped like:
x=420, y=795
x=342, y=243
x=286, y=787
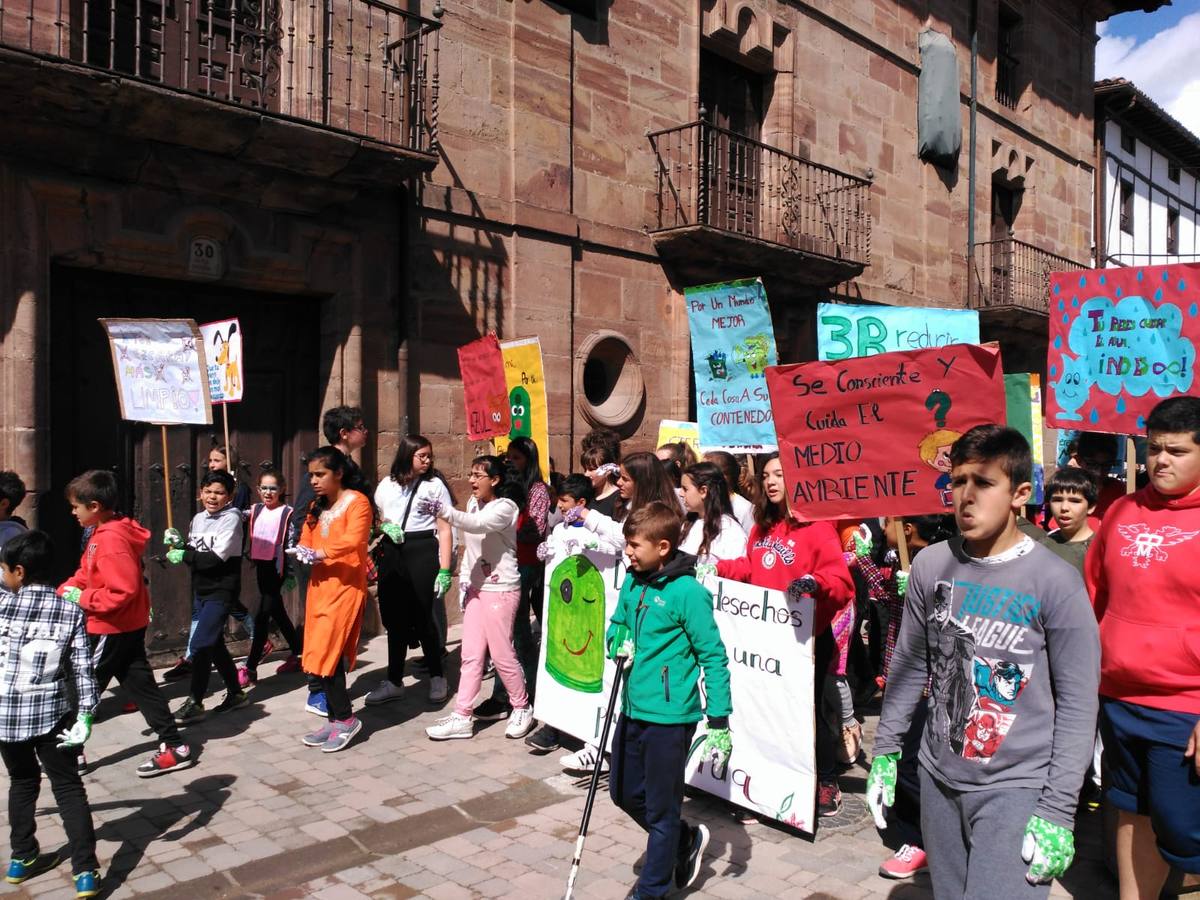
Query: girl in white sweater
x=490, y=586
x=710, y=532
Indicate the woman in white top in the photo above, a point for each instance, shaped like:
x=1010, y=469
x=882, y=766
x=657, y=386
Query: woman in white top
x=415, y=572
x=743, y=509
x=490, y=585
x=710, y=532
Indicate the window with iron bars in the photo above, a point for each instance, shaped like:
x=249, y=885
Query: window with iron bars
x=1007, y=62
x=1127, y=207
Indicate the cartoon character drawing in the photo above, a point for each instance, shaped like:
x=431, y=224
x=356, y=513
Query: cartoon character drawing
x=575, y=625
x=718, y=366
x=231, y=365
x=1072, y=388
x=998, y=683
x=952, y=651
x=935, y=453
x=754, y=353
x=982, y=737
x=518, y=400
x=1146, y=546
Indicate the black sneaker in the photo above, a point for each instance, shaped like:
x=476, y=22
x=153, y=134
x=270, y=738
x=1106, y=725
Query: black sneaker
x=192, y=710
x=543, y=740
x=179, y=671
x=492, y=710
x=829, y=799
x=688, y=868
x=233, y=700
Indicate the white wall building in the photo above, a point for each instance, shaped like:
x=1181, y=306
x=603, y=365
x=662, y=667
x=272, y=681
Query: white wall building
x=1148, y=185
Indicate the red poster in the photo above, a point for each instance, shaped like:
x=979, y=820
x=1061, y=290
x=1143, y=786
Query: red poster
x=1121, y=340
x=870, y=436
x=482, y=368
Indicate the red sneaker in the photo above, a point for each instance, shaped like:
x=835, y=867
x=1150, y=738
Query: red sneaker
x=291, y=664
x=268, y=649
x=829, y=799
x=167, y=759
x=908, y=861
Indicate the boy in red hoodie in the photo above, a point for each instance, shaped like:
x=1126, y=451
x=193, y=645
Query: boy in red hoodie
x=1141, y=573
x=110, y=588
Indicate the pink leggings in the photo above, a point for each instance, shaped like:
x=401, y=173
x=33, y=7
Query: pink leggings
x=488, y=630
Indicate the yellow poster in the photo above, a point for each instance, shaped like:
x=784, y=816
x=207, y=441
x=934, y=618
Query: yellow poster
x=527, y=397
x=672, y=431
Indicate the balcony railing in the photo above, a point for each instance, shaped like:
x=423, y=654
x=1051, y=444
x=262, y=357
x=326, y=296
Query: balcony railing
x=1012, y=273
x=713, y=177
x=360, y=66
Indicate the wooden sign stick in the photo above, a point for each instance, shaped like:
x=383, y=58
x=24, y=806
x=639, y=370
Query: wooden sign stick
x=228, y=449
x=1130, y=464
x=901, y=543
x=166, y=479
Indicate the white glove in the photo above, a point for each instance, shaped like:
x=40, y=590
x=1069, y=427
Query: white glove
x=304, y=555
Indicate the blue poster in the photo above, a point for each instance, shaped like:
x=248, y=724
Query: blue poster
x=845, y=331
x=732, y=345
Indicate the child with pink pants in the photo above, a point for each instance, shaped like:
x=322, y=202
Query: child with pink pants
x=489, y=594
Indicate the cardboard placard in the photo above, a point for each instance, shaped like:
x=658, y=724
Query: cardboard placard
x=845, y=330
x=161, y=370
x=223, y=352
x=481, y=364
x=528, y=410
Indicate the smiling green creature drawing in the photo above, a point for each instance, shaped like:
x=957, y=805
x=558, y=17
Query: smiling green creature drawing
x=522, y=413
x=575, y=626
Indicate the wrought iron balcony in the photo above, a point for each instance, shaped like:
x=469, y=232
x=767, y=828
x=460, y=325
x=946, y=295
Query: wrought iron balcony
x=731, y=205
x=1013, y=275
x=363, y=67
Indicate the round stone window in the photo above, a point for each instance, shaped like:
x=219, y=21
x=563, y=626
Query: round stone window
x=614, y=392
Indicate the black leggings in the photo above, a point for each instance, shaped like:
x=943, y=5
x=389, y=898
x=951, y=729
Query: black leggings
x=336, y=696
x=407, y=602
x=270, y=606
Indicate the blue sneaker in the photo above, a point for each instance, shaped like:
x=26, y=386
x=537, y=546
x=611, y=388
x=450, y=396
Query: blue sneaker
x=317, y=704
x=20, y=870
x=87, y=884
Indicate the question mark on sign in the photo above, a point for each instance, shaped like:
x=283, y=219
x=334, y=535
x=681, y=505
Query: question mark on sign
x=938, y=402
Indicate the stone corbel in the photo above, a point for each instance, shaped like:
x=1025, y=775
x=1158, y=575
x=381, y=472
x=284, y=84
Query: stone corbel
x=1011, y=165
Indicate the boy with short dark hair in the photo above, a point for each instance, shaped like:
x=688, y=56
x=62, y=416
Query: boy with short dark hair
x=1071, y=496
x=1000, y=629
x=575, y=490
x=12, y=492
x=1141, y=572
x=214, y=554
x=47, y=698
x=664, y=628
x=110, y=587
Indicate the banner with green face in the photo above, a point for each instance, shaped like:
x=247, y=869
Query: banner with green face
x=575, y=624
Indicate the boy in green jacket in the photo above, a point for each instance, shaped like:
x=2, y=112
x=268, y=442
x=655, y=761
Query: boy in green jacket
x=664, y=628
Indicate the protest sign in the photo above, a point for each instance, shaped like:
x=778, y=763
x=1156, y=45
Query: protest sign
x=161, y=372
x=1121, y=340
x=844, y=330
x=526, y=381
x=732, y=345
x=871, y=436
x=772, y=770
x=671, y=431
x=481, y=364
x=223, y=353
x=1023, y=410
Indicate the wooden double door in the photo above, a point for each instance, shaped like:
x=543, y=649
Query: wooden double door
x=273, y=426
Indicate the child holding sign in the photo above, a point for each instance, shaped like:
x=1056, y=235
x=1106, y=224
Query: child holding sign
x=803, y=559
x=1001, y=631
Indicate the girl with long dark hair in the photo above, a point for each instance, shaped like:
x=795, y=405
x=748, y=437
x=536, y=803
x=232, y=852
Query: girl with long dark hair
x=710, y=532
x=743, y=507
x=415, y=575
x=490, y=592
x=333, y=541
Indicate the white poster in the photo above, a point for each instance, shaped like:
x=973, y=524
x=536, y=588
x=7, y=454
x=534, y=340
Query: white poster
x=160, y=370
x=772, y=770
x=223, y=349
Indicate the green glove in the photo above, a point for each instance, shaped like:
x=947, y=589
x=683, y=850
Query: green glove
x=72, y=594
x=621, y=643
x=901, y=583
x=881, y=786
x=862, y=543
x=394, y=532
x=175, y=555
x=77, y=734
x=289, y=583
x=717, y=747
x=172, y=538
x=1048, y=848
x=441, y=584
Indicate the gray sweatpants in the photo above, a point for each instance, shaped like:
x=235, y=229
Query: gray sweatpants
x=973, y=839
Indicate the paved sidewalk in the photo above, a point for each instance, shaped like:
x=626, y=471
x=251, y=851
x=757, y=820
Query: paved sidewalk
x=398, y=816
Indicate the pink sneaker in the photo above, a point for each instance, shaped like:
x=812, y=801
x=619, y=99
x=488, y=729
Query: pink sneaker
x=245, y=679
x=268, y=648
x=908, y=861
x=291, y=664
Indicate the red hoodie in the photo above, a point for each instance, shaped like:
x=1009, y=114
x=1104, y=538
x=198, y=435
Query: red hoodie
x=1141, y=574
x=114, y=596
x=788, y=551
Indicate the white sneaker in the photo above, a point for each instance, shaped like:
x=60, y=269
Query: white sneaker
x=384, y=692
x=452, y=727
x=520, y=723
x=583, y=761
x=438, y=689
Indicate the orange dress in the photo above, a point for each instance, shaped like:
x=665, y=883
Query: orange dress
x=337, y=587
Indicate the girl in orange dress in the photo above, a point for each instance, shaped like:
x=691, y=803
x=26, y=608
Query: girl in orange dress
x=334, y=542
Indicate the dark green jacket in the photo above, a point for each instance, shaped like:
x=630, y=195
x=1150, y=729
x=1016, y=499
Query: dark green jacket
x=670, y=615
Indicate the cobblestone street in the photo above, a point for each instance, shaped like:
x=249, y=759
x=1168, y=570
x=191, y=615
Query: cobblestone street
x=399, y=816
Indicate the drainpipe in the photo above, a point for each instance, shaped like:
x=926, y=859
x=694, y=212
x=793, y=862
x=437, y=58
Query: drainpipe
x=974, y=26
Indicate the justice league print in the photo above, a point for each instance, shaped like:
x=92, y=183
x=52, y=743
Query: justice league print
x=974, y=699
